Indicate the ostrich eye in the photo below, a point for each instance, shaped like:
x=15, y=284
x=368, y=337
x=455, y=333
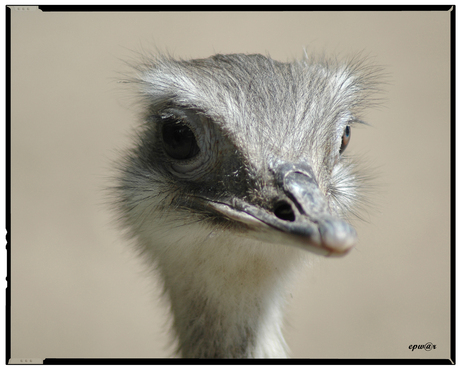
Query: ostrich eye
x=179, y=140
x=345, y=138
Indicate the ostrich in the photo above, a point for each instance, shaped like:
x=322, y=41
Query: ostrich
x=236, y=173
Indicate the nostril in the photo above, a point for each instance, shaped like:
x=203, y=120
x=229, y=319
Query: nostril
x=284, y=211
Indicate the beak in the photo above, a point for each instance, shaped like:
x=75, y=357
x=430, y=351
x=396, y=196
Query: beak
x=299, y=217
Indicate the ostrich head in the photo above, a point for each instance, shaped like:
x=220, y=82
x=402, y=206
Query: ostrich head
x=239, y=170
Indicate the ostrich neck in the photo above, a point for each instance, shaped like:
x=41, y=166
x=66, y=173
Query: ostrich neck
x=227, y=301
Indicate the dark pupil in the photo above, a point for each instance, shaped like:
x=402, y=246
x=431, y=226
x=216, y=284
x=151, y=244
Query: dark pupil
x=345, y=138
x=179, y=140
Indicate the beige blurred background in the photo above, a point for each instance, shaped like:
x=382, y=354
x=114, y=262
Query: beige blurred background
x=78, y=289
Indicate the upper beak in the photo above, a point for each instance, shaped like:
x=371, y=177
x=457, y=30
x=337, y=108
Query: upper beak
x=299, y=217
